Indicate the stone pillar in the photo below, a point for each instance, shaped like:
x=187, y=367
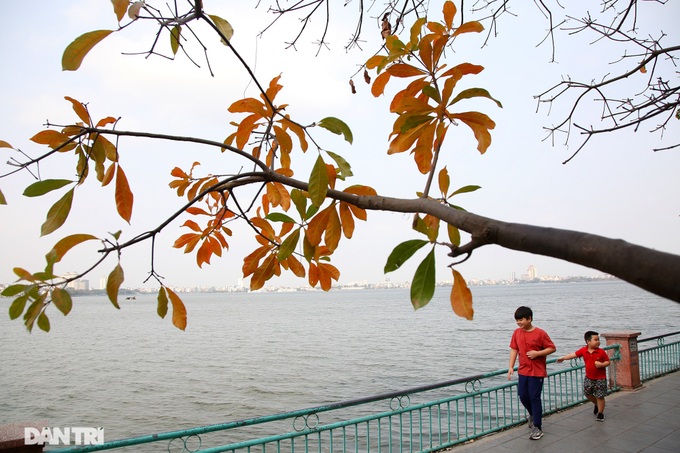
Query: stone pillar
x=628, y=368
x=12, y=437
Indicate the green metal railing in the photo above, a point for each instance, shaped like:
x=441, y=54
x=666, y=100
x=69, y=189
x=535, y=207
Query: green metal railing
x=661, y=359
x=422, y=419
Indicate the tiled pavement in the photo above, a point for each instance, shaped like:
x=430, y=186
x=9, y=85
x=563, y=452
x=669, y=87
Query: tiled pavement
x=644, y=420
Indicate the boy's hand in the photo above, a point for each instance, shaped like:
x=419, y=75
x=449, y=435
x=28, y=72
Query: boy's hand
x=560, y=360
x=510, y=371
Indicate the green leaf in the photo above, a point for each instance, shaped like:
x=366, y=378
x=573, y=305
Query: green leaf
x=336, y=126
x=422, y=287
x=279, y=217
x=175, y=34
x=13, y=290
x=454, y=234
x=42, y=187
x=474, y=93
x=162, y=309
x=318, y=182
x=414, y=121
x=57, y=214
x=116, y=278
x=432, y=92
x=402, y=253
x=343, y=165
x=288, y=245
x=465, y=189
x=300, y=201
x=17, y=307
x=44, y=322
x=223, y=26
x=3, y=200
x=75, y=52
x=62, y=300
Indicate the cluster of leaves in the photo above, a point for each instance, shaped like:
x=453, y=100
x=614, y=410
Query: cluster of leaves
x=298, y=224
x=424, y=114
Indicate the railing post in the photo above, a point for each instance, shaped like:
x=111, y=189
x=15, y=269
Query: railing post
x=12, y=439
x=628, y=367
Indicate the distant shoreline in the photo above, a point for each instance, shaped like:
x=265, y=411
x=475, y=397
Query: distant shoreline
x=352, y=287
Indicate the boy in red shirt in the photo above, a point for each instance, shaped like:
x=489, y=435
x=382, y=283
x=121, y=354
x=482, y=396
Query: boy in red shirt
x=597, y=361
x=532, y=345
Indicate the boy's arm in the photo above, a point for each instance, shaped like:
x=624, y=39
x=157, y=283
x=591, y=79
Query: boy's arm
x=603, y=363
x=511, y=365
x=543, y=352
x=566, y=357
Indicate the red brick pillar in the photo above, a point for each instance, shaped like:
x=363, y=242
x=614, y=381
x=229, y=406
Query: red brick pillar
x=12, y=438
x=628, y=368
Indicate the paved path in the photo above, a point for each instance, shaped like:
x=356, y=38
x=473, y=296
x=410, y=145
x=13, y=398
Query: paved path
x=645, y=420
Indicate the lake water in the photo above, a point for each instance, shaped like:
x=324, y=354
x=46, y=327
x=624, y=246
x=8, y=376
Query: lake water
x=250, y=354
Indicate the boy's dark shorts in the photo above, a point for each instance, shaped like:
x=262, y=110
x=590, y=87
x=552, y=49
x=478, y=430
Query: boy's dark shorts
x=597, y=388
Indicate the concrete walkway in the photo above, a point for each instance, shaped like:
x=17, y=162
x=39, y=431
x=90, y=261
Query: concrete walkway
x=644, y=420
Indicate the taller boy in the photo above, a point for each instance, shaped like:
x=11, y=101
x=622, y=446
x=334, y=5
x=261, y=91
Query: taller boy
x=532, y=345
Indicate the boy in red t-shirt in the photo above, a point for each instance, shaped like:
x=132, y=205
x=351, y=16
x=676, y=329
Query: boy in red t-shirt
x=531, y=345
x=595, y=382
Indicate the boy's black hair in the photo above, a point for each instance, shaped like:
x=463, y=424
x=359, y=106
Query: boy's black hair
x=588, y=335
x=524, y=312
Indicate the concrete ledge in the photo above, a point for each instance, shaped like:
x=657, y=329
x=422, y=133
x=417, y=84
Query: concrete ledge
x=12, y=437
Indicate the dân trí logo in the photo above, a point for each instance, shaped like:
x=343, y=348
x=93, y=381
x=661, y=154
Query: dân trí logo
x=63, y=436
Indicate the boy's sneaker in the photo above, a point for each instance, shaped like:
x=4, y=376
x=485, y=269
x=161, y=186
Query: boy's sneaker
x=595, y=411
x=530, y=422
x=600, y=417
x=536, y=433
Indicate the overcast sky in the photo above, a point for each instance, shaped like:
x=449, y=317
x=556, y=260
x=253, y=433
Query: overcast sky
x=617, y=187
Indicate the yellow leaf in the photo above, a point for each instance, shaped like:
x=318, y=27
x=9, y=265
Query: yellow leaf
x=162, y=308
x=124, y=196
x=116, y=278
x=461, y=297
x=76, y=51
x=444, y=181
x=120, y=7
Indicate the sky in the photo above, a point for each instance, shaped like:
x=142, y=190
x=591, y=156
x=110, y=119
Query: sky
x=617, y=187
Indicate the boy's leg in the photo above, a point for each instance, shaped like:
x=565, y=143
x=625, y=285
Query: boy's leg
x=600, y=405
x=535, y=387
x=523, y=392
x=588, y=392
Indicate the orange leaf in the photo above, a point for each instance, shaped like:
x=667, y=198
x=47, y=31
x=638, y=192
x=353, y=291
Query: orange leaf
x=461, y=297
x=252, y=261
x=449, y=14
x=264, y=272
x=295, y=266
x=120, y=8
x=248, y=105
x=326, y=273
x=379, y=84
x=375, y=61
x=347, y=220
x=80, y=110
x=469, y=27
x=404, y=70
x=179, y=311
x=480, y=125
x=51, y=138
x=333, y=230
x=317, y=226
x=124, y=196
x=313, y=275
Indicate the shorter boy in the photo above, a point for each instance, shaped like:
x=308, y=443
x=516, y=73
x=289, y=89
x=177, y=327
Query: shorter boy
x=597, y=361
